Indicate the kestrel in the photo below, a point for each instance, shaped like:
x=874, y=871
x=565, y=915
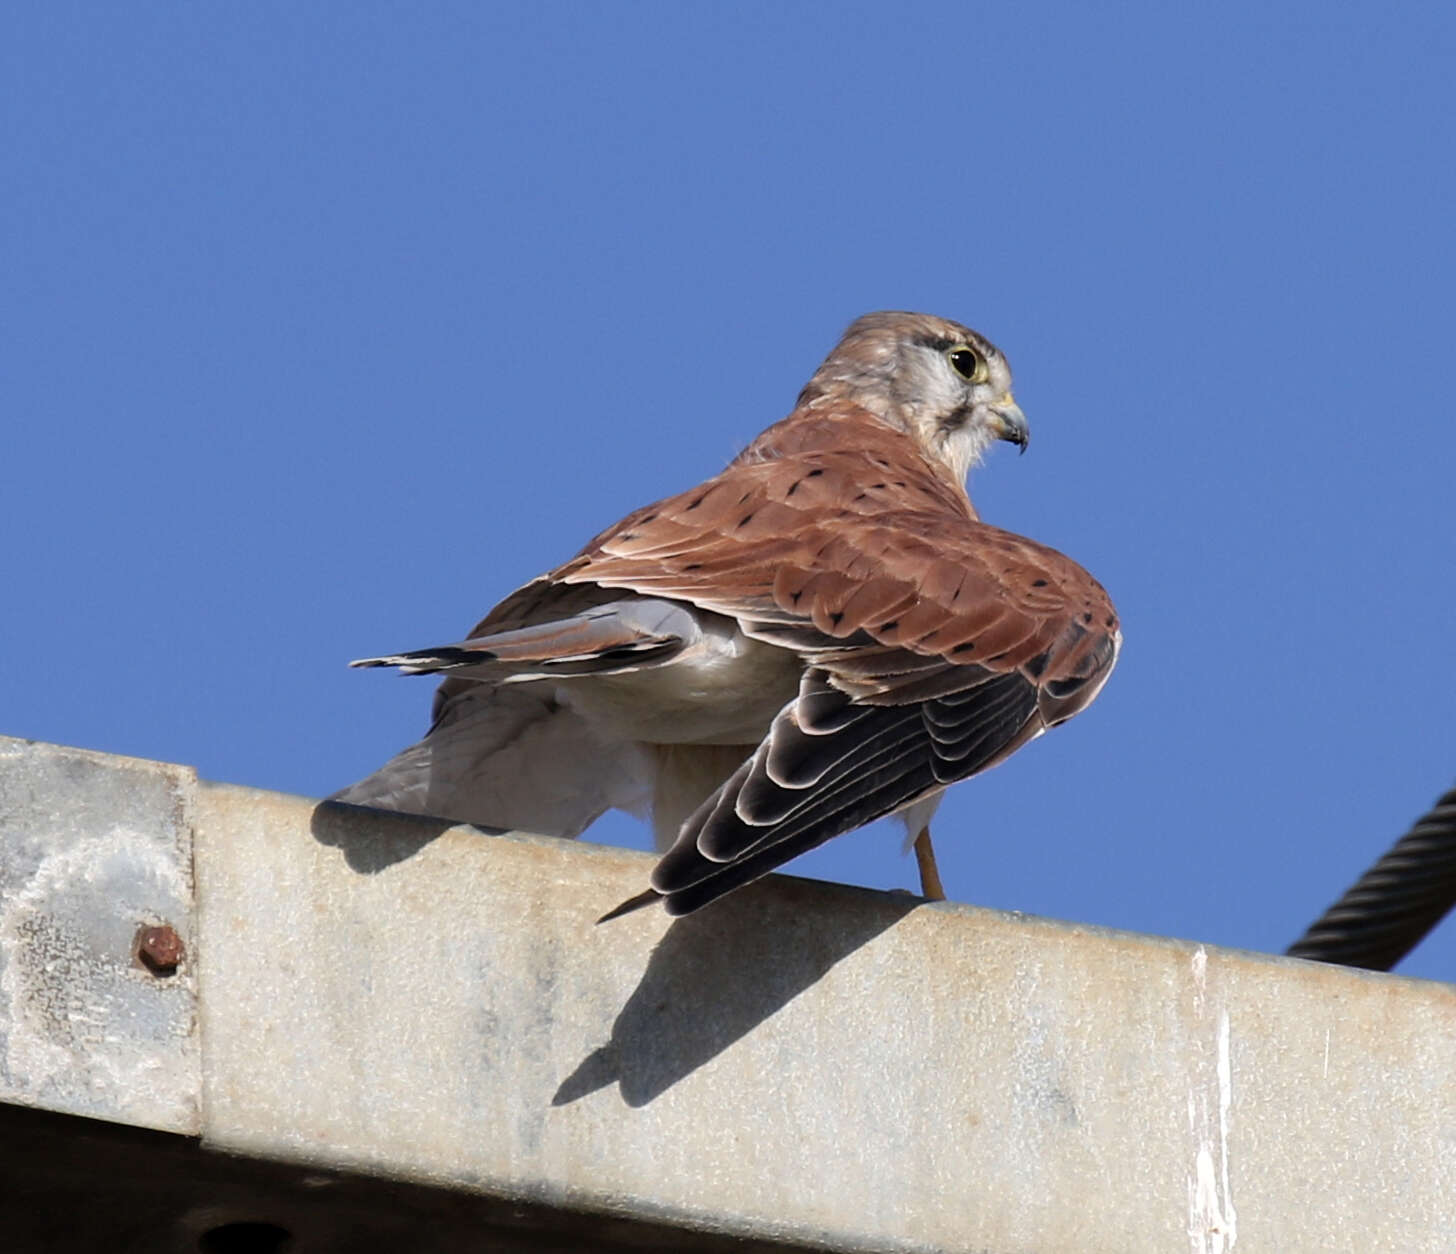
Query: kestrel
x=822, y=634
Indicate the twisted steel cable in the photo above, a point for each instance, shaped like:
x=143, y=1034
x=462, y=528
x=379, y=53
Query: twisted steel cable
x=1390, y=909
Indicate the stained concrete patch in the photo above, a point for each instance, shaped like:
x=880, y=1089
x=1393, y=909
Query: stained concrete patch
x=95, y=848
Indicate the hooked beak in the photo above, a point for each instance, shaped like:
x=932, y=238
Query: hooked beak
x=1009, y=423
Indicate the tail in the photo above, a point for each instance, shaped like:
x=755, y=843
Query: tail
x=511, y=758
x=620, y=635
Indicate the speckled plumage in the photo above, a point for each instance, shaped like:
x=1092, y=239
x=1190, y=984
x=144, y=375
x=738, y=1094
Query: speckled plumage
x=821, y=634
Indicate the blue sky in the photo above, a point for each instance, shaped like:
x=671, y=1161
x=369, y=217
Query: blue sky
x=326, y=326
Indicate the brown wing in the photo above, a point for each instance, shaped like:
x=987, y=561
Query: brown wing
x=864, y=538
x=937, y=644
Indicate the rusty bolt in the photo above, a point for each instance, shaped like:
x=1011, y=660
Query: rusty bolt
x=159, y=949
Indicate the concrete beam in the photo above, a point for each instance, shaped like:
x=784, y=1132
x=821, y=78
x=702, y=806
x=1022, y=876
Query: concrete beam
x=802, y=1064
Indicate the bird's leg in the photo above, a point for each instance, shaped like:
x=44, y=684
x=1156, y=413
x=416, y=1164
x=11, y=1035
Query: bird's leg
x=930, y=886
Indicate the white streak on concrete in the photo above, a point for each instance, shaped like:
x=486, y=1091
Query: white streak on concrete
x=1225, y=1101
x=1205, y=1226
x=1212, y=1220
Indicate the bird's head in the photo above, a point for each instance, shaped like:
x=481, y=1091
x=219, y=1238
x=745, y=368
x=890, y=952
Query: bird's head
x=940, y=382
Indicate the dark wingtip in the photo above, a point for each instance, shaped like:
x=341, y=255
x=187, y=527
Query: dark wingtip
x=632, y=903
x=429, y=661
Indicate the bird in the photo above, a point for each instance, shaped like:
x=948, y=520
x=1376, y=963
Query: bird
x=822, y=634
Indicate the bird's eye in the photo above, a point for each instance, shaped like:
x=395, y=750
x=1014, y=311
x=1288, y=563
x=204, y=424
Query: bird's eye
x=968, y=363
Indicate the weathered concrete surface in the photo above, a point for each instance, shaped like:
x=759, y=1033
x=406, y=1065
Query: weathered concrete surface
x=805, y=1061
x=92, y=849
x=801, y=1062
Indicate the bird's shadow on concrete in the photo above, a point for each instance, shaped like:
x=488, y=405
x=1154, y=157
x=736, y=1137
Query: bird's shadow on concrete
x=716, y=975
x=373, y=840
